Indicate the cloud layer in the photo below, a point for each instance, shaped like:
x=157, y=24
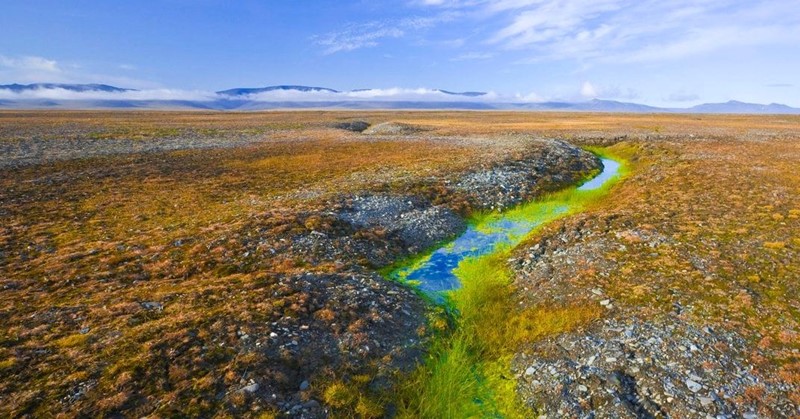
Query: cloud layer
x=368, y=95
x=133, y=95
x=626, y=30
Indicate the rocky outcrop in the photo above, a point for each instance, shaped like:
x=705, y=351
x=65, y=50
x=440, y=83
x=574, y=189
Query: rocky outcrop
x=414, y=222
x=553, y=165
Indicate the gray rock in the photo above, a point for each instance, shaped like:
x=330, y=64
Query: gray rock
x=152, y=305
x=252, y=388
x=311, y=404
x=304, y=385
x=693, y=385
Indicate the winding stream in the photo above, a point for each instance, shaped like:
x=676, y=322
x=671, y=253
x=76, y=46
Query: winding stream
x=434, y=273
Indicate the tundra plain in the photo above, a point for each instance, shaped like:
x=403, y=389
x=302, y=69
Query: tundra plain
x=221, y=264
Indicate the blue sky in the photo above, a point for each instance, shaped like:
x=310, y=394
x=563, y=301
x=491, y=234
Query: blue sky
x=666, y=53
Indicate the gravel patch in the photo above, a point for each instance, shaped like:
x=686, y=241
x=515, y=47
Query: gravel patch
x=641, y=369
x=552, y=166
x=416, y=223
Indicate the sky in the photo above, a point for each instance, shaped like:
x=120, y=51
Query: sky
x=675, y=53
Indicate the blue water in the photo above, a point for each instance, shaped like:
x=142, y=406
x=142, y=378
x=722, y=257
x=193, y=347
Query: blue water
x=435, y=273
x=610, y=169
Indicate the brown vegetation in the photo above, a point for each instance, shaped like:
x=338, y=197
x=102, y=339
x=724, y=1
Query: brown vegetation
x=129, y=281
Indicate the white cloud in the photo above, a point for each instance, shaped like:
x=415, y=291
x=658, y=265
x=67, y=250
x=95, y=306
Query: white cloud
x=377, y=95
x=628, y=30
x=64, y=94
x=393, y=94
x=357, y=37
x=367, y=35
x=30, y=69
x=370, y=34
x=34, y=69
x=389, y=94
x=588, y=90
x=29, y=63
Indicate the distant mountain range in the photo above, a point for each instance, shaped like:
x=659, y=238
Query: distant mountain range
x=19, y=88
x=245, y=91
x=102, y=96
x=734, y=106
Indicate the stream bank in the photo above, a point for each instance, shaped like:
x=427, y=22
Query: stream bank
x=467, y=372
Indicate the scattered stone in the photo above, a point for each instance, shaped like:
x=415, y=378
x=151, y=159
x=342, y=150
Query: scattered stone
x=638, y=377
x=152, y=305
x=693, y=385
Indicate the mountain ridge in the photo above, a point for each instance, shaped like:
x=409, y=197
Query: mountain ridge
x=90, y=87
x=240, y=98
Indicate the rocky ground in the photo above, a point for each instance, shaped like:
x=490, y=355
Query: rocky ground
x=234, y=275
x=633, y=368
x=697, y=302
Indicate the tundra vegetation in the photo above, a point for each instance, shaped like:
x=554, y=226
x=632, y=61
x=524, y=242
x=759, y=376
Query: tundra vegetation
x=191, y=263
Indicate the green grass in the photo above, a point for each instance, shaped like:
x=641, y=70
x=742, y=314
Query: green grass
x=467, y=372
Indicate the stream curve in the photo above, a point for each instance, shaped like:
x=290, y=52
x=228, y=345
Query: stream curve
x=434, y=272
